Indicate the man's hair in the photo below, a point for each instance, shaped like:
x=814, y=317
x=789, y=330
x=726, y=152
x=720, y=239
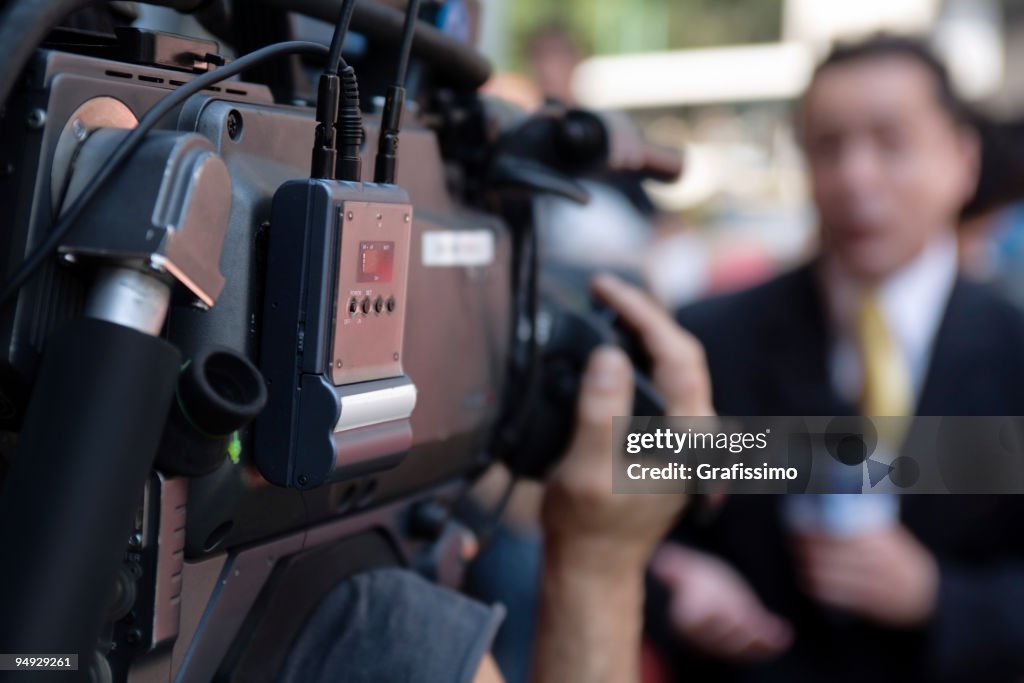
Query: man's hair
x=884, y=46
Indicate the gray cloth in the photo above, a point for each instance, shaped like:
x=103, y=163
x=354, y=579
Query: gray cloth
x=390, y=626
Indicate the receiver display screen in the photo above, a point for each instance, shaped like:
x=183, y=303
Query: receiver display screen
x=376, y=261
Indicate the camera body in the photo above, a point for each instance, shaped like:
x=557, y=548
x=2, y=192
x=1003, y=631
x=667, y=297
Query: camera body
x=449, y=324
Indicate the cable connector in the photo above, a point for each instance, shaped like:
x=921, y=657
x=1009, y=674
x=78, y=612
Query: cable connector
x=349, y=127
x=325, y=147
x=387, y=147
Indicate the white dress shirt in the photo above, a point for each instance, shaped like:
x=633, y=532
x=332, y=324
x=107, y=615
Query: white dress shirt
x=913, y=301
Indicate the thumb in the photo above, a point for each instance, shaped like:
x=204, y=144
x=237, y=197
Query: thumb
x=605, y=392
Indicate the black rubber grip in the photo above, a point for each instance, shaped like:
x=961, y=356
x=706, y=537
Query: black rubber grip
x=91, y=431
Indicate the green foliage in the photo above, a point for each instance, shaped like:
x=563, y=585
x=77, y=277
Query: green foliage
x=624, y=26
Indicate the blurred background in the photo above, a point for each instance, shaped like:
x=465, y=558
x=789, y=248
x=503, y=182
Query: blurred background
x=717, y=79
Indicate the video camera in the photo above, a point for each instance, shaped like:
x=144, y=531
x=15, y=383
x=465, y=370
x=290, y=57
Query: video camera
x=250, y=344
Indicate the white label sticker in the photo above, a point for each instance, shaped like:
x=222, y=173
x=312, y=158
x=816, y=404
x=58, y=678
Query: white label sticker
x=458, y=248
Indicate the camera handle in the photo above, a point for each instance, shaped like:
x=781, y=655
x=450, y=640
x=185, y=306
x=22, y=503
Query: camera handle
x=104, y=387
x=91, y=432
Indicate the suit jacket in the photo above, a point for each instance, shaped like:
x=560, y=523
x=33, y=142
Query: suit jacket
x=767, y=349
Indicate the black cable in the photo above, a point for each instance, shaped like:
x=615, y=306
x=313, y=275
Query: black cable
x=408, y=30
x=132, y=140
x=532, y=370
x=483, y=520
x=526, y=358
x=488, y=527
x=334, y=61
x=391, y=119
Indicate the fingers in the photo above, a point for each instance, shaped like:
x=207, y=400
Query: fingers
x=659, y=333
x=713, y=609
x=738, y=630
x=758, y=637
x=680, y=369
x=886, y=576
x=606, y=391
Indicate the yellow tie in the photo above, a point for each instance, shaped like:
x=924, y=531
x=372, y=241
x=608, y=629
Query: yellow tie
x=886, y=389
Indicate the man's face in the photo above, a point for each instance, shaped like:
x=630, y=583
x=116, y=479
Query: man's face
x=890, y=169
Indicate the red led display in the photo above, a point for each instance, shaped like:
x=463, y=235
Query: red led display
x=376, y=261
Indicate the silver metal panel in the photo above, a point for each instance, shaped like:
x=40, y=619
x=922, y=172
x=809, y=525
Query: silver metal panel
x=369, y=408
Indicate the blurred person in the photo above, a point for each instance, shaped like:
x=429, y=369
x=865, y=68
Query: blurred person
x=554, y=54
x=391, y=625
x=802, y=588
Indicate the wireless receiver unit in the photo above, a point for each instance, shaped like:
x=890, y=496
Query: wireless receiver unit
x=337, y=270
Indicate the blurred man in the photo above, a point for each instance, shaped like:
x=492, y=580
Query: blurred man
x=868, y=588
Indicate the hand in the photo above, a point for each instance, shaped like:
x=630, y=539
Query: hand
x=597, y=543
x=886, y=576
x=586, y=526
x=715, y=610
x=584, y=522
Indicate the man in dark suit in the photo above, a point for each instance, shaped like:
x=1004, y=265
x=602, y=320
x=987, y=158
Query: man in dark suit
x=878, y=324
